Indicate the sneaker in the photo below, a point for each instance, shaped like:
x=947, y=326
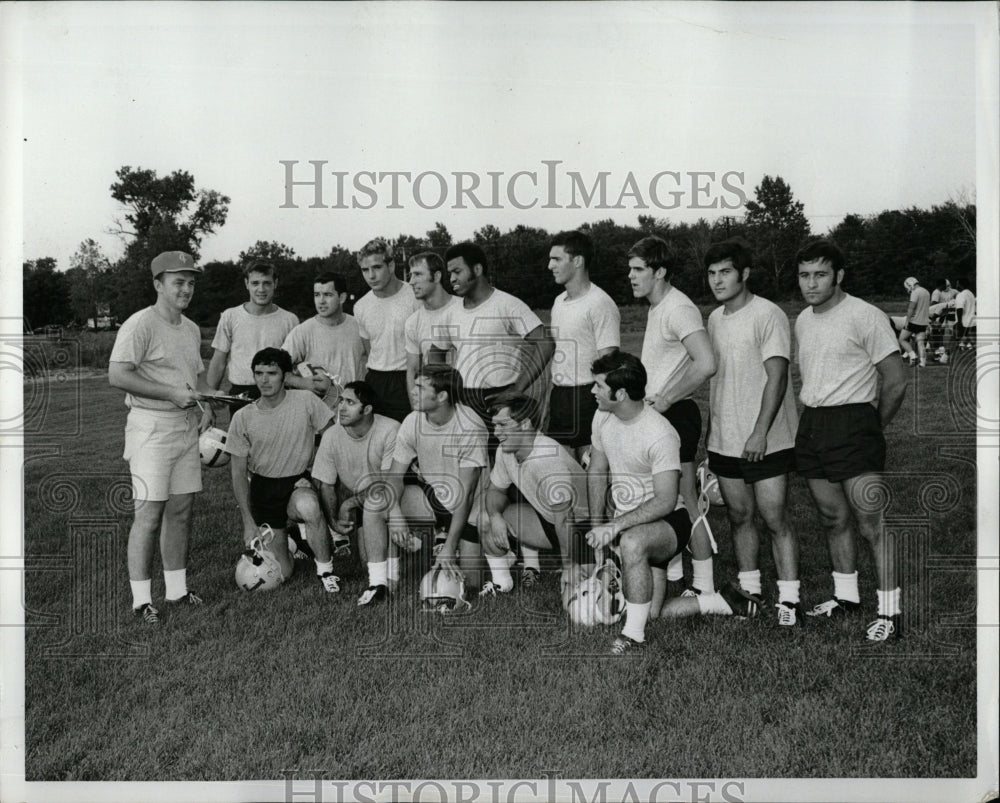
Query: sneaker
x=691, y=591
x=188, y=599
x=294, y=551
x=530, y=577
x=834, y=608
x=440, y=536
x=491, y=589
x=342, y=546
x=373, y=595
x=330, y=581
x=744, y=604
x=623, y=645
x=885, y=628
x=147, y=613
x=789, y=614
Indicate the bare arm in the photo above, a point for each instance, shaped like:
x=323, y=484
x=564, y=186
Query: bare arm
x=597, y=485
x=663, y=501
x=699, y=370
x=537, y=349
x=776, y=369
x=894, y=379
x=217, y=369
x=412, y=364
x=124, y=376
x=241, y=491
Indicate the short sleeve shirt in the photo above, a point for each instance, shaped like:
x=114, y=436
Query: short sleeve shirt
x=663, y=354
x=548, y=478
x=337, y=349
x=382, y=322
x=921, y=312
x=241, y=335
x=581, y=327
x=428, y=327
x=356, y=462
x=965, y=303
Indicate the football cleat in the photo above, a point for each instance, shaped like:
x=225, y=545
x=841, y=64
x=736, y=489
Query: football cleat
x=330, y=581
x=491, y=589
x=789, y=614
x=442, y=593
x=147, y=613
x=341, y=546
x=188, y=599
x=440, y=536
x=623, y=645
x=743, y=604
x=834, y=608
x=885, y=628
x=373, y=595
x=530, y=577
x=691, y=591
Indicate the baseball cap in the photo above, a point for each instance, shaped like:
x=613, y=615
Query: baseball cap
x=174, y=261
x=910, y=283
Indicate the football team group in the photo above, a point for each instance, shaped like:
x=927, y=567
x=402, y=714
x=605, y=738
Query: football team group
x=456, y=423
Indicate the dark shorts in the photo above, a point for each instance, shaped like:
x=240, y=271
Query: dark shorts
x=916, y=328
x=442, y=516
x=391, y=396
x=680, y=523
x=269, y=499
x=837, y=443
x=736, y=468
x=964, y=331
x=685, y=417
x=580, y=550
x=571, y=413
x=250, y=390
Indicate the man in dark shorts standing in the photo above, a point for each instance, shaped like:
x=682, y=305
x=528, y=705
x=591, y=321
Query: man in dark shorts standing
x=853, y=382
x=918, y=319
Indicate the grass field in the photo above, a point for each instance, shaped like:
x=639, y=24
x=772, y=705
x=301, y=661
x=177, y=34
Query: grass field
x=252, y=685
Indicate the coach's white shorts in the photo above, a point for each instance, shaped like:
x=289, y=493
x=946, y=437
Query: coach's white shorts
x=162, y=452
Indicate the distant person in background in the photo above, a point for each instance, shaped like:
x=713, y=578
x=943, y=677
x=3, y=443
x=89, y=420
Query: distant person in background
x=965, y=309
x=918, y=318
x=942, y=315
x=423, y=328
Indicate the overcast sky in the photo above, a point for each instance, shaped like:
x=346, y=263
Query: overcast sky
x=859, y=108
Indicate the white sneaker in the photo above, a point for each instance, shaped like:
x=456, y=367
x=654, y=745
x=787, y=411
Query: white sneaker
x=331, y=583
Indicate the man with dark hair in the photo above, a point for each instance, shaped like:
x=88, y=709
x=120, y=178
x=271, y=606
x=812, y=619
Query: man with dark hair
x=678, y=358
x=156, y=360
x=328, y=344
x=918, y=319
x=853, y=383
x=424, y=327
x=246, y=329
x=382, y=315
x=350, y=464
x=271, y=440
x=965, y=308
x=635, y=448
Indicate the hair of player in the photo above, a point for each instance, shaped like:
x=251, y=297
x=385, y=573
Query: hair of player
x=941, y=284
x=376, y=247
x=471, y=253
x=433, y=262
x=820, y=248
x=622, y=370
x=656, y=253
x=366, y=393
x=576, y=244
x=965, y=283
x=279, y=358
x=260, y=266
x=735, y=249
x=443, y=379
x=339, y=282
x=521, y=406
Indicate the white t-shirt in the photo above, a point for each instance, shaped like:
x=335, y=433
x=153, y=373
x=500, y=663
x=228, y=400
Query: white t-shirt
x=356, y=462
x=663, y=354
x=547, y=478
x=838, y=350
x=442, y=450
x=487, y=339
x=278, y=442
x=742, y=342
x=636, y=450
x=965, y=303
x=338, y=349
x=161, y=352
x=581, y=327
x=381, y=321
x=241, y=335
x=428, y=327
x=922, y=301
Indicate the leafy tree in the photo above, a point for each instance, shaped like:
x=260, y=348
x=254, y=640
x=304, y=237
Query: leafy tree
x=46, y=293
x=777, y=225
x=89, y=280
x=272, y=251
x=439, y=237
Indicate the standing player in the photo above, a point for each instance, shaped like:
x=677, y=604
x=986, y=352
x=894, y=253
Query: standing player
x=157, y=361
x=246, y=329
x=918, y=318
x=350, y=463
x=382, y=315
x=425, y=327
x=642, y=453
x=273, y=437
x=330, y=340
x=853, y=383
x=965, y=308
x=678, y=359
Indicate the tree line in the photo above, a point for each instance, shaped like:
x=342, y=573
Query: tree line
x=170, y=213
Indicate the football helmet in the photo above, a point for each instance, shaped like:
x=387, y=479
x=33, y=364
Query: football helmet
x=258, y=569
x=212, y=447
x=598, y=599
x=439, y=591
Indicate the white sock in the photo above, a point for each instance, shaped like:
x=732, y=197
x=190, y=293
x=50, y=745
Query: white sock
x=713, y=603
x=176, y=581
x=845, y=586
x=377, y=573
x=788, y=591
x=323, y=568
x=750, y=581
x=142, y=592
x=889, y=602
x=675, y=569
x=702, y=578
x=531, y=558
x=635, y=620
x=392, y=568
x=500, y=570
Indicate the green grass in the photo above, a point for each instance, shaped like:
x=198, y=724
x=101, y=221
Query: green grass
x=252, y=685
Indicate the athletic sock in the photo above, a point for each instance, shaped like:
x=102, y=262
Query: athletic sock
x=142, y=592
x=323, y=568
x=845, y=586
x=675, y=569
x=176, y=581
x=713, y=603
x=636, y=616
x=500, y=570
x=889, y=602
x=750, y=581
x=531, y=558
x=377, y=573
x=788, y=591
x=702, y=578
x=392, y=568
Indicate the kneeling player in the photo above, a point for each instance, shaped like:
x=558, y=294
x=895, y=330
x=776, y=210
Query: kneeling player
x=641, y=450
x=274, y=437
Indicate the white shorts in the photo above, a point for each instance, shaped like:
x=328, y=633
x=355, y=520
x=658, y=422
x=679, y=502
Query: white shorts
x=162, y=452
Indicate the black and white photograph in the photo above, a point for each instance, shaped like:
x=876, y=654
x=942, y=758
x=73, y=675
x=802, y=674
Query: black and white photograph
x=496, y=402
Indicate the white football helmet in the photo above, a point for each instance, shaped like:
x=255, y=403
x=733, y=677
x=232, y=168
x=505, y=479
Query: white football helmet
x=598, y=599
x=212, y=447
x=439, y=591
x=258, y=569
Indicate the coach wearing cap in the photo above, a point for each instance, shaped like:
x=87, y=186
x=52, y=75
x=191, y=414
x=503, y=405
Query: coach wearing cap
x=157, y=361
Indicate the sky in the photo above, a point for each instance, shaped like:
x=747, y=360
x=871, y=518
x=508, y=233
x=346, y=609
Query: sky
x=858, y=108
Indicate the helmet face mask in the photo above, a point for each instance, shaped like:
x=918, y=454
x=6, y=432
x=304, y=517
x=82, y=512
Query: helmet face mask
x=441, y=593
x=257, y=569
x=598, y=599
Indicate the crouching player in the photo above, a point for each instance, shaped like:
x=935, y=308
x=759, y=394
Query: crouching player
x=551, y=483
x=274, y=438
x=641, y=451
